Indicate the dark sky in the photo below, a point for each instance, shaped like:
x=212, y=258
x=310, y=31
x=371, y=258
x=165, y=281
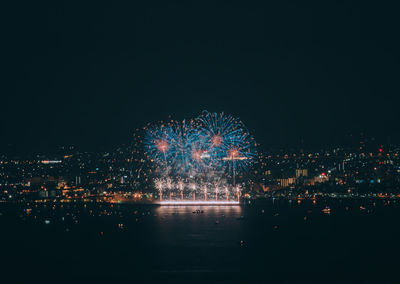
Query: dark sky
x=89, y=74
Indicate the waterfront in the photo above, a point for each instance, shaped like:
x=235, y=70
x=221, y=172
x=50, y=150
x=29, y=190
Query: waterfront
x=270, y=242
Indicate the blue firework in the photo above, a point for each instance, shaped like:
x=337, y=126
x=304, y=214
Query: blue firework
x=239, y=152
x=158, y=144
x=214, y=142
x=183, y=138
x=227, y=139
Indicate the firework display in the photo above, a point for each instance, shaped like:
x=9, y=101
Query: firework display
x=199, y=159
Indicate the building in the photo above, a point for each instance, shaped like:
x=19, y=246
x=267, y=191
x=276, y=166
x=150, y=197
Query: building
x=285, y=182
x=301, y=173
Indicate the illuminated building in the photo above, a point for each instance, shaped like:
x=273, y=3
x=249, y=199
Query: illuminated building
x=285, y=182
x=301, y=173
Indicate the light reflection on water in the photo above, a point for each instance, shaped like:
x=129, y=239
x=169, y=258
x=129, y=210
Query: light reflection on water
x=186, y=225
x=191, y=241
x=207, y=210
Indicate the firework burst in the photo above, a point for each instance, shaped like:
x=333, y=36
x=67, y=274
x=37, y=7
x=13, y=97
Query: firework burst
x=200, y=154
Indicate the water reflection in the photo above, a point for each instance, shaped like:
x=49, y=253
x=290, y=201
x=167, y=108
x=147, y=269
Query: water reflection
x=189, y=240
x=208, y=210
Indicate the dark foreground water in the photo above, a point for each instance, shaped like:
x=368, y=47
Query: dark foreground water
x=274, y=242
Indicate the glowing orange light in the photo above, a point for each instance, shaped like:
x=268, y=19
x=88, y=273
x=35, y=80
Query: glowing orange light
x=216, y=140
x=233, y=153
x=196, y=154
x=162, y=146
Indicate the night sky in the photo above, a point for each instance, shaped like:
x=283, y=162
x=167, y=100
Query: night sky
x=89, y=74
